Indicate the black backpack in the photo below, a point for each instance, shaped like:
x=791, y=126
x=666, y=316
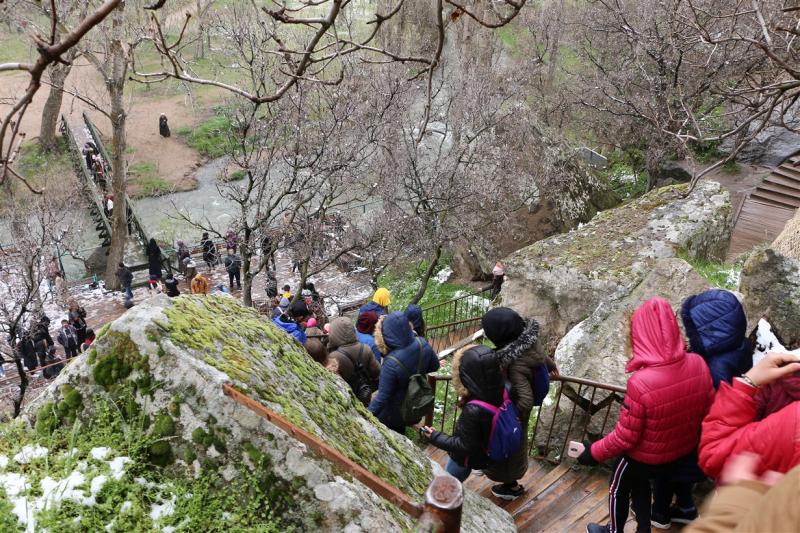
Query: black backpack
x=360, y=382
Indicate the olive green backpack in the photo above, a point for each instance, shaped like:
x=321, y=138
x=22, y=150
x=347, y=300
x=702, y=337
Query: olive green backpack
x=419, y=394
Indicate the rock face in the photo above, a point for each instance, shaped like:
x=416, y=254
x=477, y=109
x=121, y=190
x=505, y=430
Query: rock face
x=788, y=242
x=563, y=279
x=598, y=347
x=165, y=361
x=770, y=284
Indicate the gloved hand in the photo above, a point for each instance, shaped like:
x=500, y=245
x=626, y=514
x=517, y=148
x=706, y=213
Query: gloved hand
x=586, y=458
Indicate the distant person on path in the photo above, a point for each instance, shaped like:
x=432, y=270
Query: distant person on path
x=26, y=350
x=163, y=125
x=365, y=329
x=716, y=326
x=68, y=338
x=498, y=276
x=52, y=271
x=658, y=430
x=153, y=264
x=287, y=292
x=268, y=251
x=405, y=354
x=281, y=308
x=42, y=341
x=89, y=151
x=528, y=371
x=90, y=336
x=231, y=240
x=209, y=251
x=290, y=321
x=414, y=315
x=357, y=366
x=200, y=284
x=184, y=256
x=272, y=285
x=77, y=319
x=125, y=277
x=233, y=265
x=380, y=302
x=171, y=285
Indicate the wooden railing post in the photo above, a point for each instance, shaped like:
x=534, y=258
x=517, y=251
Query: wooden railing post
x=441, y=512
x=429, y=416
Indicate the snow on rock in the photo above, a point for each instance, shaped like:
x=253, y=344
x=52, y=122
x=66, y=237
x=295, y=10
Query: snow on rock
x=117, y=466
x=99, y=453
x=443, y=275
x=3, y=461
x=30, y=452
x=767, y=341
x=55, y=491
x=163, y=509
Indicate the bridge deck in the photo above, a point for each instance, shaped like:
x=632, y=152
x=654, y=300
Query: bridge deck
x=558, y=498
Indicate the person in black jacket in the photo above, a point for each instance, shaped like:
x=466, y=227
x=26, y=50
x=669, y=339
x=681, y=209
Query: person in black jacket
x=476, y=376
x=42, y=341
x=171, y=285
x=125, y=277
x=27, y=351
x=209, y=250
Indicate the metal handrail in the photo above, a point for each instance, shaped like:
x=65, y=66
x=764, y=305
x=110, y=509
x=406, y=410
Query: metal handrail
x=589, y=407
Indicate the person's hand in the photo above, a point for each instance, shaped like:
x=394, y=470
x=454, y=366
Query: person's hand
x=426, y=432
x=743, y=467
x=554, y=373
x=773, y=367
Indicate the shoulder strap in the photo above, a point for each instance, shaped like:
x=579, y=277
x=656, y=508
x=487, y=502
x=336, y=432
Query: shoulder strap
x=486, y=405
x=396, y=360
x=419, y=356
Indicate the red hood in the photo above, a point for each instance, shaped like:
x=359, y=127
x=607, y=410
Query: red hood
x=655, y=336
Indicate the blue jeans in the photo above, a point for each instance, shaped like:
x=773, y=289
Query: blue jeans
x=459, y=472
x=128, y=294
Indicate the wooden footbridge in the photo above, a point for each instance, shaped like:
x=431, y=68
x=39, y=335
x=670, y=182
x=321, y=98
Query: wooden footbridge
x=766, y=209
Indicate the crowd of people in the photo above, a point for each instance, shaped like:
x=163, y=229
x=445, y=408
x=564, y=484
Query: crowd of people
x=687, y=411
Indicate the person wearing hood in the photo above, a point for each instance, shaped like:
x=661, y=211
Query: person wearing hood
x=476, y=376
x=290, y=321
x=199, y=284
x=365, y=329
x=380, y=302
x=658, y=430
x=716, y=326
x=356, y=364
x=414, y=315
x=403, y=352
x=171, y=285
x=153, y=264
x=528, y=373
x=281, y=308
x=184, y=256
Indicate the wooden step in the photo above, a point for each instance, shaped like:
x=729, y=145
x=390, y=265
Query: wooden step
x=778, y=188
x=780, y=200
x=782, y=180
x=788, y=171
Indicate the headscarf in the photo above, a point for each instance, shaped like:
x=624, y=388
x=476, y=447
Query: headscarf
x=382, y=297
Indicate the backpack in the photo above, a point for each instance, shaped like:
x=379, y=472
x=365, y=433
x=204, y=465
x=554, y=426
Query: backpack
x=505, y=437
x=360, y=382
x=419, y=395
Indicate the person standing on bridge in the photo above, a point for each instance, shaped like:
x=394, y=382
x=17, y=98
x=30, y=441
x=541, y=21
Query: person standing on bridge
x=153, y=264
x=233, y=265
x=163, y=126
x=209, y=251
x=125, y=277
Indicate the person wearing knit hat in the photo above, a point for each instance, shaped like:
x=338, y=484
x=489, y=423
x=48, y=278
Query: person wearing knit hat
x=528, y=371
x=380, y=302
x=498, y=276
x=365, y=329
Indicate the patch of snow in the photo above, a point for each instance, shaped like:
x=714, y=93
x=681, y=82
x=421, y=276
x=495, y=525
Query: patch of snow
x=72, y=453
x=767, y=341
x=443, y=275
x=97, y=485
x=168, y=529
x=734, y=277
x=3, y=461
x=126, y=506
x=54, y=491
x=117, y=466
x=100, y=453
x=163, y=509
x=13, y=484
x=30, y=452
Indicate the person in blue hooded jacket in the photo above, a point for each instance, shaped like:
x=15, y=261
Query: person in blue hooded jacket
x=414, y=315
x=396, y=340
x=716, y=326
x=290, y=320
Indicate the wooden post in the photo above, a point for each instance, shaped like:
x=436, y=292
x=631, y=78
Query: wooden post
x=441, y=512
x=429, y=416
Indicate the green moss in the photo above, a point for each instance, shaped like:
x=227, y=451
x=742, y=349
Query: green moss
x=163, y=426
x=189, y=456
x=46, y=419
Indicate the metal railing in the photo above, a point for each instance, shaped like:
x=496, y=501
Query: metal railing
x=573, y=408
x=449, y=322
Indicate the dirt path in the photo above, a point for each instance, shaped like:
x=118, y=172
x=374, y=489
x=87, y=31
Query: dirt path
x=174, y=161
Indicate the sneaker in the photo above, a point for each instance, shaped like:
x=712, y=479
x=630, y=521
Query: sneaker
x=507, y=493
x=596, y=528
x=682, y=517
x=660, y=521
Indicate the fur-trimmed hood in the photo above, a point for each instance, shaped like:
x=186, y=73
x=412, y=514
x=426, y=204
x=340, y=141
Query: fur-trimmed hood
x=477, y=374
x=393, y=331
x=524, y=344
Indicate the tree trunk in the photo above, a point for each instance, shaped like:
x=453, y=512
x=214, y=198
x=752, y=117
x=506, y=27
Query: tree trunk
x=52, y=107
x=423, y=283
x=247, y=278
x=116, y=87
x=23, y=385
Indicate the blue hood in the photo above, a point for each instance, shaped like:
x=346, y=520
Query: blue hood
x=396, y=331
x=372, y=306
x=414, y=315
x=292, y=328
x=716, y=326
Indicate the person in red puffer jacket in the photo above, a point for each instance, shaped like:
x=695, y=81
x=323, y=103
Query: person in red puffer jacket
x=659, y=425
x=732, y=426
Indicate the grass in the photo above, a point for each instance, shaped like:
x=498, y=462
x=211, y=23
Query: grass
x=146, y=180
x=719, y=275
x=403, y=283
x=211, y=137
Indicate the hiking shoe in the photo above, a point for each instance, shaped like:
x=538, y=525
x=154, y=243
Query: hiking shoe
x=682, y=517
x=504, y=492
x=596, y=528
x=660, y=521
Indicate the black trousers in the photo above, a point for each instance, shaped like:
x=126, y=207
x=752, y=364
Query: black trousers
x=237, y=275
x=630, y=486
x=71, y=351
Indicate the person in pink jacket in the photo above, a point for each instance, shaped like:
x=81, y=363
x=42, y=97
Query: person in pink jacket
x=656, y=436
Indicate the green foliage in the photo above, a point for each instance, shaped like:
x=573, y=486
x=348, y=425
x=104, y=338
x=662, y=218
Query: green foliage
x=145, y=177
x=403, y=283
x=211, y=138
x=731, y=167
x=237, y=175
x=625, y=173
x=718, y=275
x=706, y=152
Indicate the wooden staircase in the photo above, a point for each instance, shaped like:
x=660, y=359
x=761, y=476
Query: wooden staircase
x=767, y=208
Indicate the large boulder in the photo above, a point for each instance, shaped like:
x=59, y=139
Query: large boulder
x=770, y=284
x=788, y=242
x=561, y=280
x=141, y=424
x=599, y=347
